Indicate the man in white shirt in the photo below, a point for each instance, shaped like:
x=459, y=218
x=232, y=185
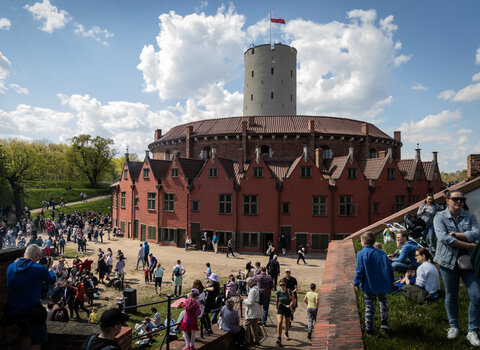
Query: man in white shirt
x=253, y=312
x=141, y=257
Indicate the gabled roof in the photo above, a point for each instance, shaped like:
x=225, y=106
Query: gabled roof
x=239, y=171
x=190, y=166
x=428, y=169
x=293, y=166
x=337, y=165
x=159, y=167
x=372, y=167
x=227, y=165
x=407, y=168
x=278, y=168
x=134, y=169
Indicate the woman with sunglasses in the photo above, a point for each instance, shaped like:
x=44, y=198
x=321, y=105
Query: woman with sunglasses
x=457, y=230
x=285, y=302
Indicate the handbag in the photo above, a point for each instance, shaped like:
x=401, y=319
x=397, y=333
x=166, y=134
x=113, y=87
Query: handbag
x=464, y=262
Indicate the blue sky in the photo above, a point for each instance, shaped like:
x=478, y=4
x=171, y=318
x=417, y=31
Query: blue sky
x=121, y=69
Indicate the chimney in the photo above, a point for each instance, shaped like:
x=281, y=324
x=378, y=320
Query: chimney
x=214, y=153
x=473, y=166
x=158, y=134
x=417, y=156
x=365, y=128
x=251, y=121
x=435, y=157
x=147, y=153
x=305, y=153
x=311, y=126
x=382, y=154
x=257, y=154
x=397, y=136
x=188, y=145
x=318, y=157
x=389, y=154
x=350, y=153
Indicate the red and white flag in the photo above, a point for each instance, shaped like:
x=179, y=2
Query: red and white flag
x=277, y=20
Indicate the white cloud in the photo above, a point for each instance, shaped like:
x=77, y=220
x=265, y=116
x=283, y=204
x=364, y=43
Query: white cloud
x=95, y=32
x=401, y=59
x=446, y=95
x=52, y=17
x=464, y=131
x=5, y=66
x=418, y=87
x=476, y=77
x=5, y=23
x=477, y=56
x=19, y=89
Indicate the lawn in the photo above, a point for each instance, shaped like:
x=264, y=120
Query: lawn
x=35, y=196
x=414, y=326
x=102, y=205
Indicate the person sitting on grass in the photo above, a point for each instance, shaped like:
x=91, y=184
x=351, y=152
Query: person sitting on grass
x=402, y=281
x=406, y=259
x=374, y=273
x=157, y=318
x=427, y=285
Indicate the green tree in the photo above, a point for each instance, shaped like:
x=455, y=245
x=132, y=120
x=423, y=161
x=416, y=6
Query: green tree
x=457, y=176
x=117, y=168
x=91, y=156
x=19, y=161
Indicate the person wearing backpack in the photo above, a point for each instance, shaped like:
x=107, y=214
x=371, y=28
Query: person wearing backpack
x=60, y=314
x=177, y=277
x=111, y=323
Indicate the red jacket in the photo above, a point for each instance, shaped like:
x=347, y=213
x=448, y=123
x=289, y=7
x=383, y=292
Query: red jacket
x=80, y=296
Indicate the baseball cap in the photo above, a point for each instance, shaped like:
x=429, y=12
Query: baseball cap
x=287, y=270
x=111, y=317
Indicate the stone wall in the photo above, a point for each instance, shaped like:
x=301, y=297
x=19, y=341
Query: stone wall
x=338, y=322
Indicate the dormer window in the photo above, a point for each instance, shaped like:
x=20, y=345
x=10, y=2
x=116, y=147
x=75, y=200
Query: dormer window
x=212, y=172
x=125, y=174
x=258, y=172
x=352, y=173
x=174, y=172
x=306, y=171
x=146, y=173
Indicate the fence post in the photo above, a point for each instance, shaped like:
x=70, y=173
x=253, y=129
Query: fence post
x=241, y=307
x=169, y=316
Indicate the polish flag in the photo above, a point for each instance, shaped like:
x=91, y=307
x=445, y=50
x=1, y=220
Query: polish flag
x=277, y=20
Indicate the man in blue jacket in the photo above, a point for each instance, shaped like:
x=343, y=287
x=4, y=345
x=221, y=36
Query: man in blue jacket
x=374, y=274
x=146, y=249
x=24, y=284
x=406, y=260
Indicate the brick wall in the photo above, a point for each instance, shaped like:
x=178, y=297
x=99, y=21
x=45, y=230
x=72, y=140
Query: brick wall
x=338, y=323
x=473, y=166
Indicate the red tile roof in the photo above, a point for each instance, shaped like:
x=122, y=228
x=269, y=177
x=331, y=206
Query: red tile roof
x=407, y=168
x=279, y=168
x=337, y=165
x=273, y=125
x=427, y=168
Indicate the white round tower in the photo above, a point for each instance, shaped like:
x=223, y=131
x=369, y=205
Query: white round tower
x=270, y=80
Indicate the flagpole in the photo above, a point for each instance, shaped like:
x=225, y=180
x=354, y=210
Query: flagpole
x=270, y=28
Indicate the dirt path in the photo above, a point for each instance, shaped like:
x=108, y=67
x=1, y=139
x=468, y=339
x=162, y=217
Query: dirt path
x=38, y=210
x=194, y=263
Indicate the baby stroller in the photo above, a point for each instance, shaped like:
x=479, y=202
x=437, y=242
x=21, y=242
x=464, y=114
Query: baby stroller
x=414, y=225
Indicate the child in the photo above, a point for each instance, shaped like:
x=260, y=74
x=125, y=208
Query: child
x=50, y=306
x=190, y=323
x=208, y=271
x=146, y=272
x=311, y=299
x=409, y=275
x=93, y=316
x=374, y=273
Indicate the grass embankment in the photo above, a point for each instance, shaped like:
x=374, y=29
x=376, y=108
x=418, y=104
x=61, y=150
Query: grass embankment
x=34, y=194
x=414, y=326
x=102, y=205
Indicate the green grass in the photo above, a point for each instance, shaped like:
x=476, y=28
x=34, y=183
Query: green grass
x=414, y=326
x=35, y=196
x=102, y=205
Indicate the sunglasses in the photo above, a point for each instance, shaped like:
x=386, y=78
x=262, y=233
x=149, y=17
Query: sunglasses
x=458, y=199
x=282, y=285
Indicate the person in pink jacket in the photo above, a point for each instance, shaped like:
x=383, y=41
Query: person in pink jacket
x=190, y=321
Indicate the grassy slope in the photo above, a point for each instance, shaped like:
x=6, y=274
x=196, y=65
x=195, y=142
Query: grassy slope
x=35, y=196
x=414, y=326
x=102, y=205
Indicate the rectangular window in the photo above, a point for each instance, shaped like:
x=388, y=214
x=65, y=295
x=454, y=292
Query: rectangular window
x=122, y=226
x=286, y=208
x=250, y=240
x=152, y=232
x=174, y=172
x=251, y=97
x=352, y=173
x=168, y=202
x=271, y=95
x=376, y=208
x=319, y=241
x=151, y=197
x=123, y=199
x=195, y=205
x=253, y=74
x=306, y=171
x=319, y=205
x=419, y=174
x=271, y=71
x=212, y=172
x=399, y=202
x=146, y=173
x=135, y=202
x=346, y=207
x=125, y=174
x=224, y=203
x=250, y=204
x=390, y=173
x=258, y=172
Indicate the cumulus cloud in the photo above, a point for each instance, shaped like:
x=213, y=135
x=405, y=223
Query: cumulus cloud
x=5, y=24
x=19, y=89
x=50, y=15
x=477, y=56
x=101, y=35
x=418, y=87
x=5, y=66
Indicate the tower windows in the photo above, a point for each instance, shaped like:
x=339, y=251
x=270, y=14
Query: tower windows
x=271, y=71
x=291, y=74
x=291, y=97
x=253, y=74
x=271, y=95
x=251, y=97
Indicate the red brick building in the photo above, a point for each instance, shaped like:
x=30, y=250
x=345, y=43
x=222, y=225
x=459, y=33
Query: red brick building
x=312, y=179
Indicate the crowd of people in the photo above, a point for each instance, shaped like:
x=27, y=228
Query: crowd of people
x=450, y=235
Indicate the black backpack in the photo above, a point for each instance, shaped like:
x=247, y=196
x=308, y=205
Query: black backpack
x=61, y=315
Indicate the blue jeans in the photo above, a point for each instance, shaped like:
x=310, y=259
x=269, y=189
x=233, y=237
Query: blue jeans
x=265, y=305
x=140, y=259
x=400, y=267
x=430, y=233
x=179, y=290
x=451, y=279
